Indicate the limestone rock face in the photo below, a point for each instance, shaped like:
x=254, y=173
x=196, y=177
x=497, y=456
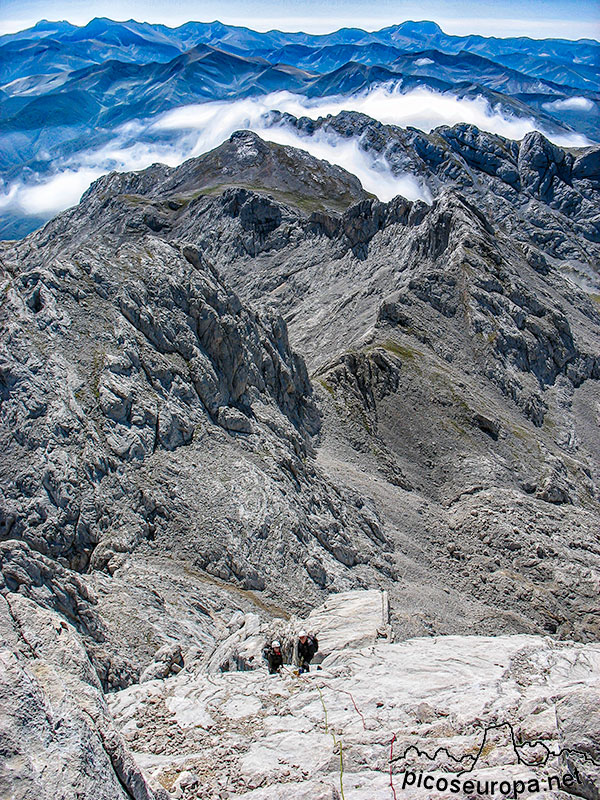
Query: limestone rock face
x=497, y=708
x=167, y=660
x=578, y=720
x=156, y=405
x=350, y=620
x=347, y=620
x=58, y=738
x=234, y=388
x=140, y=396
x=538, y=190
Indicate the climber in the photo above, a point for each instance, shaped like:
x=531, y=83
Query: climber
x=273, y=656
x=307, y=647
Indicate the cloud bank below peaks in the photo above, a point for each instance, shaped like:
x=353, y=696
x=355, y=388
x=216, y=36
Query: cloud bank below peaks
x=191, y=130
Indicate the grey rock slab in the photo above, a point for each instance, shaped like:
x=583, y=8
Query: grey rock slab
x=350, y=620
x=272, y=734
x=578, y=720
x=58, y=736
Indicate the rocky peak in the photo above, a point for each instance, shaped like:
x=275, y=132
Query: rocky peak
x=540, y=162
x=291, y=176
x=557, y=189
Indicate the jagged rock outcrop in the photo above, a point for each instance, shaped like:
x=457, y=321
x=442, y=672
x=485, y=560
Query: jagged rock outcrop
x=65, y=594
x=144, y=406
x=537, y=191
x=185, y=357
x=451, y=361
x=56, y=733
x=167, y=661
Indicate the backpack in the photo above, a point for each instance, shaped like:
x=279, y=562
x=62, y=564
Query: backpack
x=312, y=645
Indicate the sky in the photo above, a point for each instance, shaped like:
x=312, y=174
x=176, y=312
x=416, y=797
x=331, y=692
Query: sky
x=538, y=19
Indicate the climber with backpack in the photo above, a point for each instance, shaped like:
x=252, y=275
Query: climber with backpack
x=273, y=656
x=308, y=645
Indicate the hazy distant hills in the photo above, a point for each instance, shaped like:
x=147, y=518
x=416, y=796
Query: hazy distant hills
x=63, y=88
x=207, y=73
x=132, y=41
x=152, y=68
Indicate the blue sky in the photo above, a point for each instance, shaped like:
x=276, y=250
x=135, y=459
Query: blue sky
x=535, y=18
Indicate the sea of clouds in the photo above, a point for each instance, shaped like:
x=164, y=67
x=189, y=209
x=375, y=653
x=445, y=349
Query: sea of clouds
x=191, y=130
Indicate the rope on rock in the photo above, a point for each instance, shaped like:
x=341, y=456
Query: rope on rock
x=336, y=743
x=324, y=708
x=350, y=695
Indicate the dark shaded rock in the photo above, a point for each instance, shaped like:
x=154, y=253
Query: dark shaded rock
x=487, y=425
x=261, y=215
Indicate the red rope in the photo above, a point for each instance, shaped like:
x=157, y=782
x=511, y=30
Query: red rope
x=356, y=708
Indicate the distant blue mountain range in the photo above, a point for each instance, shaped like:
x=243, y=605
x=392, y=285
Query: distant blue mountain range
x=63, y=88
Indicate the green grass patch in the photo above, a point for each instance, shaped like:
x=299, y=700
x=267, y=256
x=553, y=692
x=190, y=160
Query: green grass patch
x=521, y=433
x=306, y=203
x=327, y=386
x=136, y=199
x=401, y=350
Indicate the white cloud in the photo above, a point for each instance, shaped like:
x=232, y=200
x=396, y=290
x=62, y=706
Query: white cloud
x=8, y=195
x=52, y=195
x=422, y=62
x=199, y=128
x=192, y=130
x=374, y=174
x=421, y=108
x=570, y=104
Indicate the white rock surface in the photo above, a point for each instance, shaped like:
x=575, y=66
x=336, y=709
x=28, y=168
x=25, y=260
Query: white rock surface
x=350, y=619
x=259, y=737
x=57, y=738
